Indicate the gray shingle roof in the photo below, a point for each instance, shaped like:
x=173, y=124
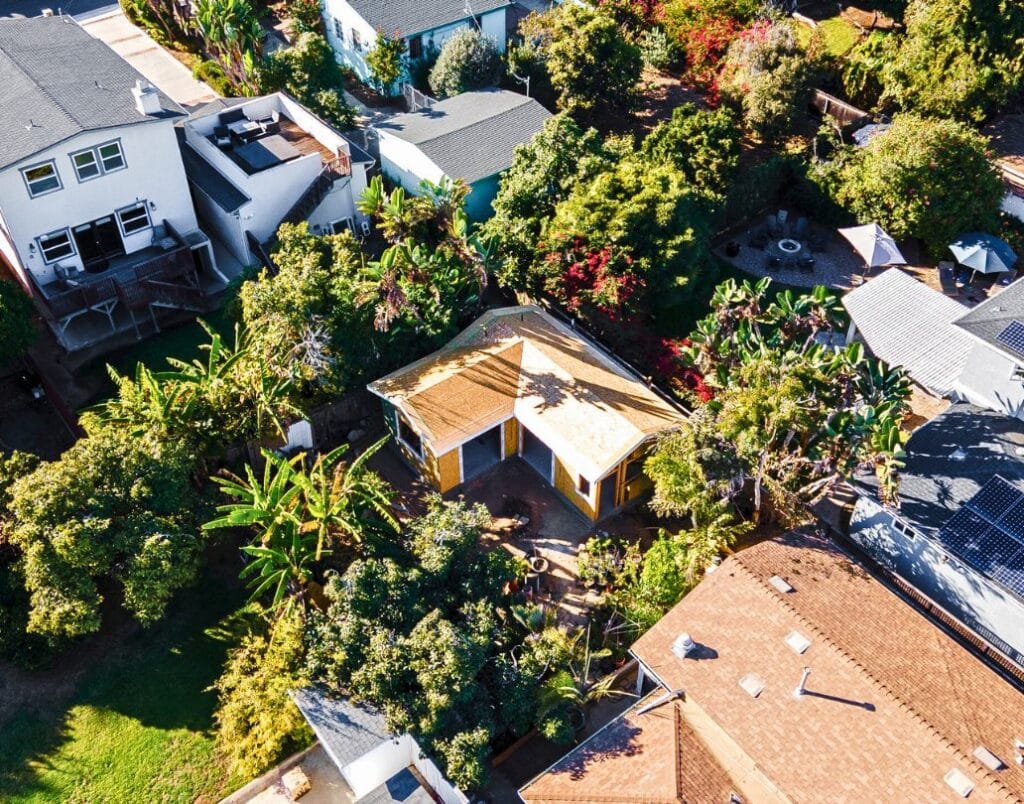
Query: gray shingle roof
x=992, y=316
x=57, y=81
x=473, y=135
x=407, y=17
x=346, y=730
x=906, y=323
x=934, y=485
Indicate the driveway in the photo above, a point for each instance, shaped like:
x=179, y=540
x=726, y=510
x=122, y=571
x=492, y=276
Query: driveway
x=146, y=56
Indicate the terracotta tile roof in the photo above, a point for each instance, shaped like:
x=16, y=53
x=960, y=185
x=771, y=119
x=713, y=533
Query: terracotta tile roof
x=520, y=360
x=894, y=703
x=649, y=758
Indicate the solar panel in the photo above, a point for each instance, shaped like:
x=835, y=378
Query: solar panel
x=987, y=533
x=1013, y=336
x=994, y=499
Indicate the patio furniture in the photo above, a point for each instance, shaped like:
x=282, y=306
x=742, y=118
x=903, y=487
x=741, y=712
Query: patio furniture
x=983, y=253
x=732, y=248
x=245, y=130
x=231, y=116
x=271, y=124
x=873, y=245
x=1008, y=278
x=759, y=239
x=806, y=264
x=773, y=226
x=962, y=276
x=946, y=278
x=773, y=263
x=265, y=153
x=800, y=228
x=789, y=264
x=221, y=137
x=782, y=217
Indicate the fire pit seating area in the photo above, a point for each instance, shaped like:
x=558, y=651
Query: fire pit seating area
x=786, y=244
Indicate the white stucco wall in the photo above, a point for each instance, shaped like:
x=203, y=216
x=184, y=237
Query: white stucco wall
x=978, y=602
x=154, y=173
x=224, y=225
x=988, y=381
x=375, y=767
x=405, y=163
x=1013, y=204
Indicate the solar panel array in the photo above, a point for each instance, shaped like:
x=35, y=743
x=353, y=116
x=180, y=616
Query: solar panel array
x=1013, y=336
x=988, y=533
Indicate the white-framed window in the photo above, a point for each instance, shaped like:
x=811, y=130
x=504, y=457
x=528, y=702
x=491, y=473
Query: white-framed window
x=56, y=246
x=344, y=225
x=42, y=178
x=134, y=218
x=339, y=29
x=903, y=527
x=93, y=162
x=87, y=166
x=583, y=486
x=357, y=41
x=409, y=437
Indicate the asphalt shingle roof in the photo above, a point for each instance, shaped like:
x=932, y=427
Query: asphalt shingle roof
x=473, y=135
x=906, y=323
x=992, y=316
x=407, y=17
x=934, y=485
x=346, y=730
x=57, y=81
x=211, y=181
x=893, y=702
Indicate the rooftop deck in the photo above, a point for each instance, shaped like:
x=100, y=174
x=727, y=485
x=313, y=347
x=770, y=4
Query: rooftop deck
x=298, y=138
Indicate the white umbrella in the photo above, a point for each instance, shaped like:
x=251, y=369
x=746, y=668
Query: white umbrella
x=873, y=245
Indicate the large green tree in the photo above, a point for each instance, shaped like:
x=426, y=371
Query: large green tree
x=786, y=412
x=468, y=60
x=958, y=58
x=592, y=66
x=116, y=511
x=309, y=71
x=924, y=178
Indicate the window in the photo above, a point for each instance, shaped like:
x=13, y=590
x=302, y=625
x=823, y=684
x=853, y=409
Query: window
x=344, y=225
x=903, y=527
x=102, y=159
x=339, y=29
x=357, y=42
x=41, y=179
x=416, y=47
x=409, y=437
x=583, y=486
x=86, y=165
x=111, y=157
x=134, y=218
x=56, y=246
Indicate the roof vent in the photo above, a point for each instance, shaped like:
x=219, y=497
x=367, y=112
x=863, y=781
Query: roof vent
x=798, y=641
x=959, y=781
x=683, y=645
x=780, y=584
x=46, y=12
x=146, y=99
x=752, y=685
x=988, y=759
x=959, y=454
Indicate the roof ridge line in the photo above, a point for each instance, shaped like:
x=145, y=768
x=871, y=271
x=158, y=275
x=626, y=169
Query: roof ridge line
x=770, y=591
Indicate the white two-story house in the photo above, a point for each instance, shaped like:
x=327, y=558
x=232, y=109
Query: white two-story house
x=353, y=26
x=254, y=163
x=96, y=220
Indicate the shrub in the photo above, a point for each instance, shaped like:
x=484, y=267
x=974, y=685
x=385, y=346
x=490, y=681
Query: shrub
x=656, y=49
x=468, y=60
x=257, y=723
x=17, y=332
x=214, y=76
x=305, y=16
x=385, y=62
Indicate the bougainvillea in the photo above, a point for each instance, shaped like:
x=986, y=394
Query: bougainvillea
x=594, y=280
x=706, y=45
x=665, y=356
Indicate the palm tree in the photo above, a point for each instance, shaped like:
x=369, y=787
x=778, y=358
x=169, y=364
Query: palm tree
x=344, y=502
x=286, y=569
x=232, y=32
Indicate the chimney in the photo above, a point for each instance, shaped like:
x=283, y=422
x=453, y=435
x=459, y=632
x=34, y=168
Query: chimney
x=683, y=645
x=803, y=680
x=146, y=99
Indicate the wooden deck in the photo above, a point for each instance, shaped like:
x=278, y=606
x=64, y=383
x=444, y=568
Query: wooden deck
x=303, y=141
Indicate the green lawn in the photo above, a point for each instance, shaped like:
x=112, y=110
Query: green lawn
x=138, y=727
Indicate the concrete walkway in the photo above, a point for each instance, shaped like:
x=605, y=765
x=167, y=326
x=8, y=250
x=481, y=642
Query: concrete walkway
x=145, y=55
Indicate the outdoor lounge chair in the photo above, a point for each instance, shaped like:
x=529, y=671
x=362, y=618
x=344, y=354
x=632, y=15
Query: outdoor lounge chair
x=800, y=227
x=231, y=116
x=774, y=228
x=807, y=264
x=773, y=263
x=222, y=137
x=946, y=279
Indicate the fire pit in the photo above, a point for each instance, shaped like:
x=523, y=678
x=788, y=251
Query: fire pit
x=789, y=246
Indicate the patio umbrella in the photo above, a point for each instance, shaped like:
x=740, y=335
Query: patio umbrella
x=873, y=245
x=983, y=253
